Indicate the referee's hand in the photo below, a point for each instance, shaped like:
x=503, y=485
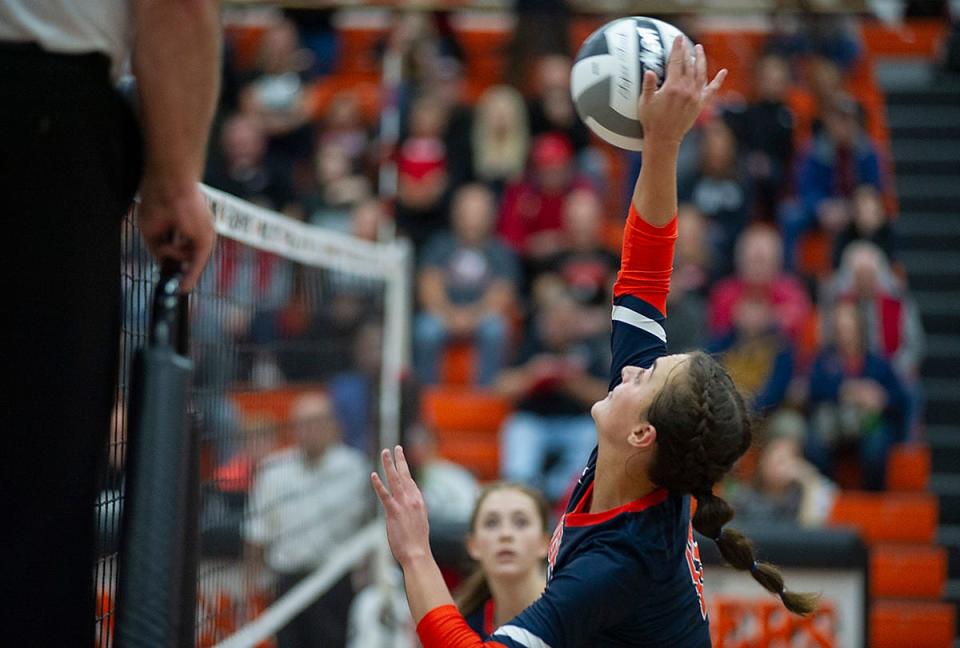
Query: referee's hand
x=178, y=226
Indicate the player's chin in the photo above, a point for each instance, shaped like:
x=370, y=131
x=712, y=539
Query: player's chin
x=598, y=407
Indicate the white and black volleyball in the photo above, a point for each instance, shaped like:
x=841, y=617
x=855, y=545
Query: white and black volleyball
x=607, y=75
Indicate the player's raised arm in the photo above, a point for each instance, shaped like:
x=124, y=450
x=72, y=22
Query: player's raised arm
x=646, y=259
x=667, y=114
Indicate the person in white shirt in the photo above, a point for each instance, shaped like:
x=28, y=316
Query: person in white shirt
x=72, y=155
x=305, y=501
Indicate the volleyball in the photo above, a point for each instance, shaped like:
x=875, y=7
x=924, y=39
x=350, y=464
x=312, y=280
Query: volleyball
x=607, y=75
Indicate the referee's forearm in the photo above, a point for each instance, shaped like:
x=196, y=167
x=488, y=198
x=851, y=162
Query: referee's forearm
x=176, y=59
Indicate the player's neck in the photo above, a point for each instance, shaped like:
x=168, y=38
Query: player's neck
x=616, y=483
x=512, y=597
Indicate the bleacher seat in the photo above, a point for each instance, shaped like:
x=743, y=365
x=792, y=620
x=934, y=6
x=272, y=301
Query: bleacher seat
x=907, y=571
x=887, y=517
x=908, y=468
x=896, y=624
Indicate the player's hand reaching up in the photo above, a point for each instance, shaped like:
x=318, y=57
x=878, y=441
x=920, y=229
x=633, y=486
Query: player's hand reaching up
x=668, y=113
x=407, y=529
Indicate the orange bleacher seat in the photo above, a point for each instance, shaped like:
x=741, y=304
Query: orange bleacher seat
x=913, y=38
x=908, y=467
x=908, y=571
x=365, y=89
x=814, y=254
x=887, y=517
x=357, y=51
x=457, y=364
x=453, y=408
x=467, y=424
x=245, y=39
x=895, y=624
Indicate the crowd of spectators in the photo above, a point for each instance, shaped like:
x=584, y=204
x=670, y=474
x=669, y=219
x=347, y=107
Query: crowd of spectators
x=509, y=203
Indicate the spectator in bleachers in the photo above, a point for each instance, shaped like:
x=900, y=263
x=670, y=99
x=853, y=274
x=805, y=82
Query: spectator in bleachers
x=838, y=160
x=245, y=170
x=423, y=180
x=559, y=375
x=868, y=222
x=764, y=130
x=856, y=400
x=344, y=127
x=448, y=488
x=500, y=137
x=551, y=109
x=785, y=487
x=338, y=189
x=755, y=353
x=894, y=328
x=369, y=220
x=692, y=273
x=759, y=275
x=585, y=268
x=531, y=215
x=720, y=190
x=467, y=288
x=447, y=85
x=277, y=96
x=297, y=517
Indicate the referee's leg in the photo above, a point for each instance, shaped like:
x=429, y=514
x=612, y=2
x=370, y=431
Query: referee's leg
x=61, y=160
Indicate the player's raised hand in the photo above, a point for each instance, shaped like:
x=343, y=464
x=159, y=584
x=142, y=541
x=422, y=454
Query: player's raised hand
x=668, y=113
x=407, y=529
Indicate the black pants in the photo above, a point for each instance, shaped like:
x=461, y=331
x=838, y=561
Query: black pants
x=70, y=159
x=321, y=625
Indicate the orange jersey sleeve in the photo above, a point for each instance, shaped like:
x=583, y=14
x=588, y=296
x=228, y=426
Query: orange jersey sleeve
x=444, y=627
x=646, y=260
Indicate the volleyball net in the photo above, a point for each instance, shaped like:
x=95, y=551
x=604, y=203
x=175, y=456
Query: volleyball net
x=298, y=338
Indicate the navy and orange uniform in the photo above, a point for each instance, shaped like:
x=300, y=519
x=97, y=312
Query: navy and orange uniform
x=630, y=576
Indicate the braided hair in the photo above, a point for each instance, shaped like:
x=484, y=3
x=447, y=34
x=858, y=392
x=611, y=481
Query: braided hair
x=703, y=427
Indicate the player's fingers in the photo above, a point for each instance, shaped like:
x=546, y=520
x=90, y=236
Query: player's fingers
x=701, y=65
x=389, y=470
x=382, y=493
x=649, y=86
x=714, y=86
x=675, y=62
x=402, y=468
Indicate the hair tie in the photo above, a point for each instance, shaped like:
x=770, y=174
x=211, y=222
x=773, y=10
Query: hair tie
x=719, y=536
x=754, y=567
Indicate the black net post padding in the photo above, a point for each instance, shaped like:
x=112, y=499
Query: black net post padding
x=156, y=595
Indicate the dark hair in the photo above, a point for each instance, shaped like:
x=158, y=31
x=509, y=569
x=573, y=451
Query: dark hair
x=474, y=591
x=703, y=427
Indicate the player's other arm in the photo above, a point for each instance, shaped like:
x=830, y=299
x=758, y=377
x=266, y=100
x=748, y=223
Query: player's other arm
x=176, y=59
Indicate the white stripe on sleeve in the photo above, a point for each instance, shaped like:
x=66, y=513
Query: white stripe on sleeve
x=521, y=636
x=642, y=322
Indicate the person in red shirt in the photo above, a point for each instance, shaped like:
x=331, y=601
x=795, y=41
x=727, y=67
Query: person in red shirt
x=531, y=216
x=759, y=275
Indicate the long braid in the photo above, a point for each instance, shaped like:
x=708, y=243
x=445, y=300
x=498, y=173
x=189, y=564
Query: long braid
x=703, y=427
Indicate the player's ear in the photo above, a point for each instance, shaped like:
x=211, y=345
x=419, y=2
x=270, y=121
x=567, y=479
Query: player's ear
x=472, y=548
x=642, y=436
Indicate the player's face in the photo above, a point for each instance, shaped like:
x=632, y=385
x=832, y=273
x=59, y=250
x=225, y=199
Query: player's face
x=508, y=538
x=626, y=406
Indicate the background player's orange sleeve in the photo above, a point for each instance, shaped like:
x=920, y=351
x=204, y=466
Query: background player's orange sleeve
x=646, y=260
x=444, y=627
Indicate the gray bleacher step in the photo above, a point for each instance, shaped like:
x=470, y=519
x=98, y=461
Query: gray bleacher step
x=946, y=486
x=927, y=230
x=941, y=261
x=943, y=92
x=942, y=406
x=943, y=187
x=943, y=436
x=941, y=150
x=943, y=356
x=923, y=116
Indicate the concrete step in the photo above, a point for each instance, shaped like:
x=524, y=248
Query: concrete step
x=942, y=407
x=946, y=486
x=943, y=356
x=948, y=536
x=928, y=231
x=944, y=92
x=931, y=187
x=942, y=151
x=923, y=115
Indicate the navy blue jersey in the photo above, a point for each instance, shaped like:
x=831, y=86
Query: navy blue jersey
x=630, y=576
